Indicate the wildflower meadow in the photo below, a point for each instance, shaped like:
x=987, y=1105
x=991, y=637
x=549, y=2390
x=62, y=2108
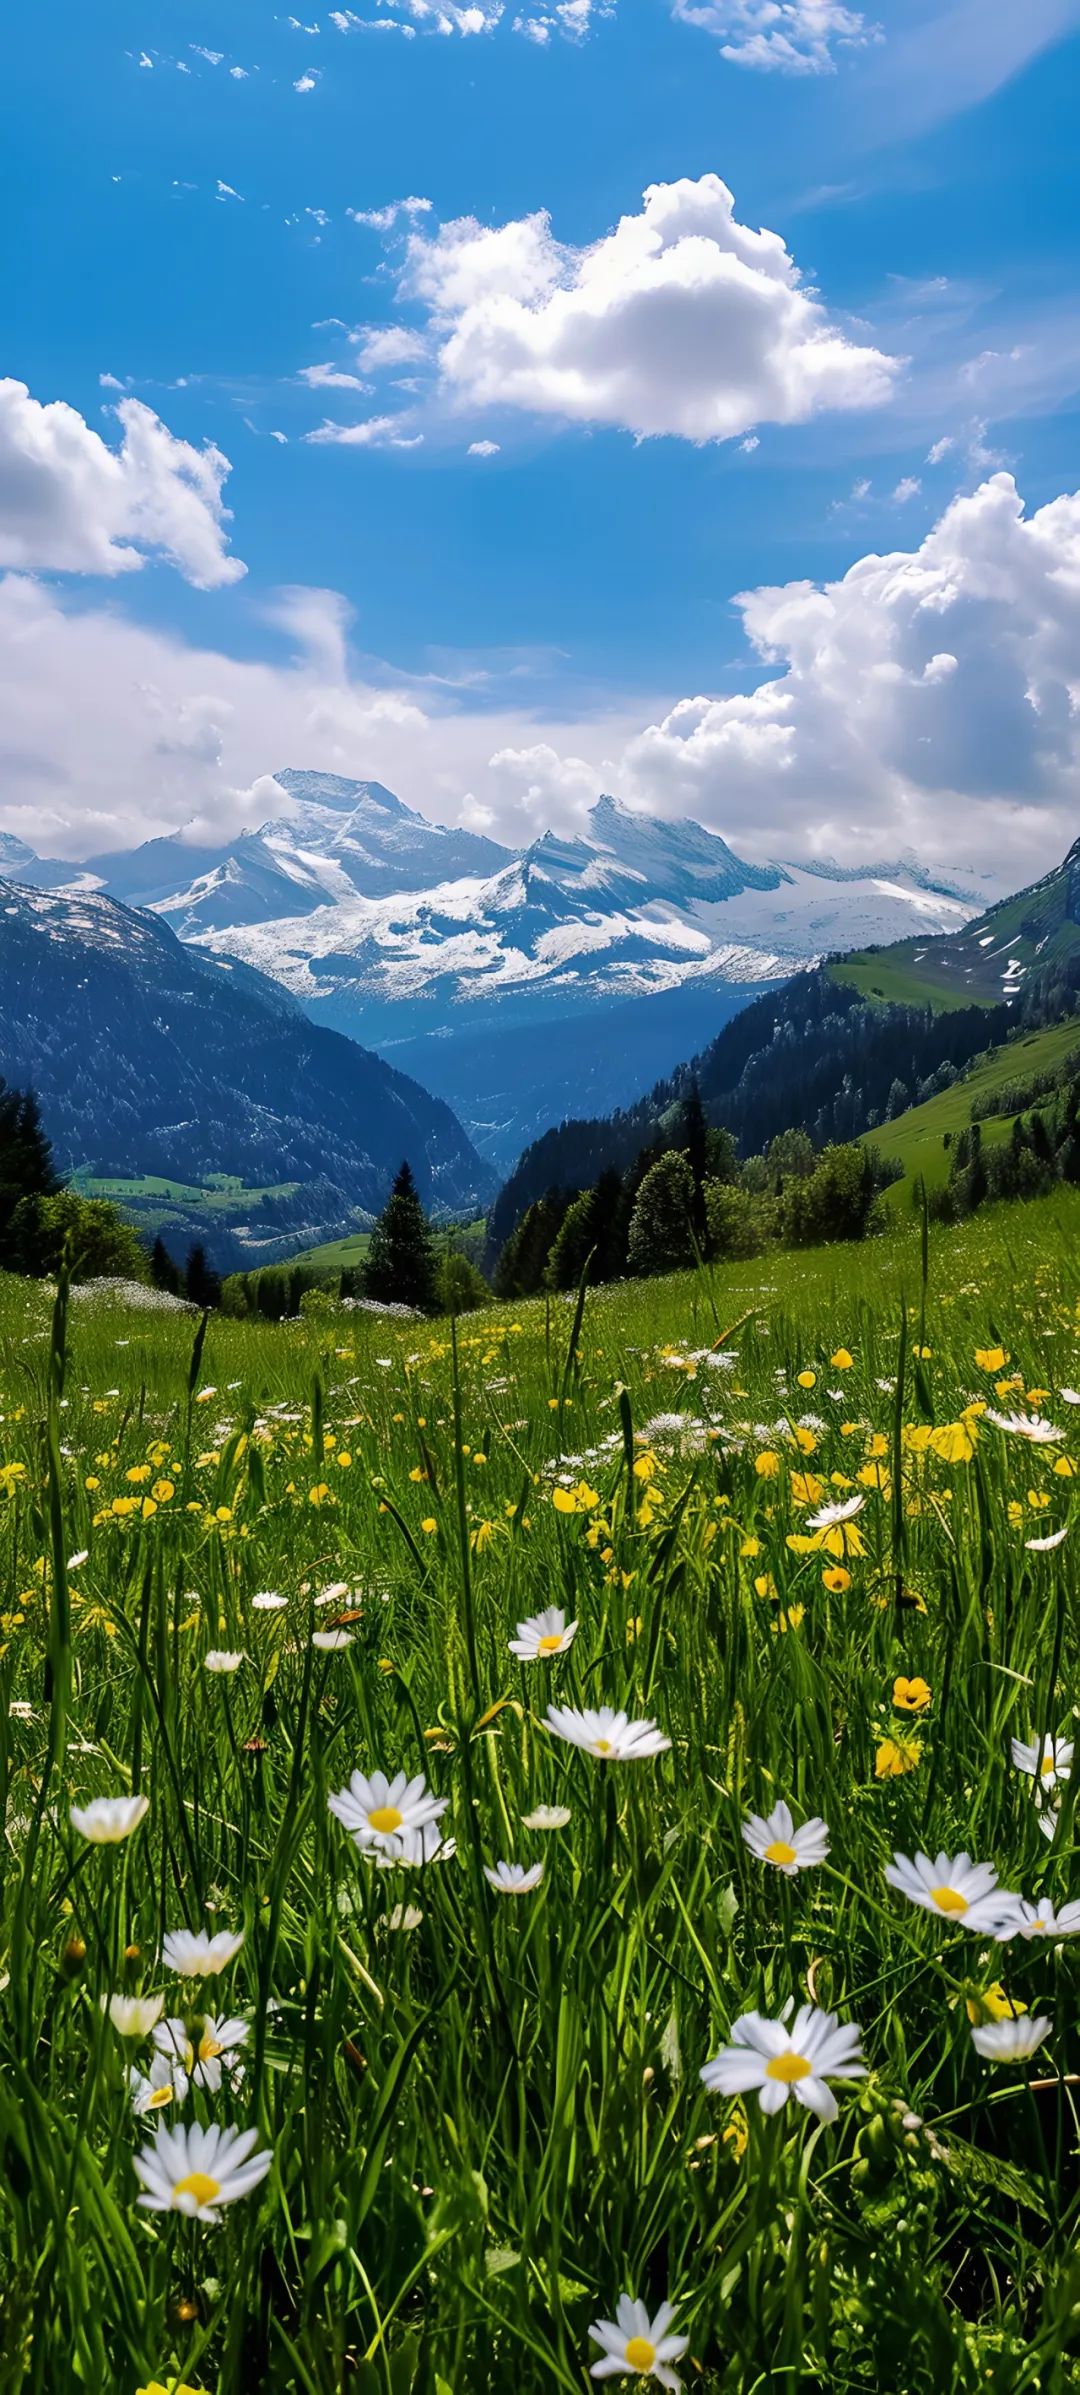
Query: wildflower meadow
x=542, y=1850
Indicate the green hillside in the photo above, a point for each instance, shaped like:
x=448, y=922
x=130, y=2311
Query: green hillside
x=918, y=1137
x=988, y=961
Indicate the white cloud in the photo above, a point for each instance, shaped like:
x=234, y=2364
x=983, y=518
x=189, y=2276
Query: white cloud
x=71, y=504
x=907, y=488
x=930, y=698
x=347, y=22
x=681, y=321
x=941, y=59
x=330, y=378
x=225, y=192
x=375, y=432
x=112, y=732
x=940, y=449
x=383, y=220
x=213, y=57
x=783, y=37
x=482, y=449
x=307, y=82
x=574, y=19
x=379, y=345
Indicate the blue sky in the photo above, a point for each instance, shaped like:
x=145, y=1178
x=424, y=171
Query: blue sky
x=555, y=598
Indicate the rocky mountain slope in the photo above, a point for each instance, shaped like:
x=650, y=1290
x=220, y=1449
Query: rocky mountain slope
x=152, y=1058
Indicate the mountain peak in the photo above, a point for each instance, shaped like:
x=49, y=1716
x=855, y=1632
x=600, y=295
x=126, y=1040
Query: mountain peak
x=335, y=790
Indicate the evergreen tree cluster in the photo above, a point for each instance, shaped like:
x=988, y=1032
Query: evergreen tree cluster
x=691, y=1198
x=812, y=1056
x=40, y=1219
x=1043, y=1147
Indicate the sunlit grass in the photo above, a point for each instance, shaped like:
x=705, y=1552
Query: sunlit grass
x=484, y=2110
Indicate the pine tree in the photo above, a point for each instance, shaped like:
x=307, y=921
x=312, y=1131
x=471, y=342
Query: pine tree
x=163, y=1272
x=694, y=1142
x=201, y=1283
x=661, y=1230
x=400, y=1267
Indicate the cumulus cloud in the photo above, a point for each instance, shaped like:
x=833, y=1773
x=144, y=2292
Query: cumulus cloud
x=112, y=732
x=681, y=321
x=780, y=37
x=573, y=19
x=379, y=345
x=482, y=449
x=929, y=698
x=71, y=504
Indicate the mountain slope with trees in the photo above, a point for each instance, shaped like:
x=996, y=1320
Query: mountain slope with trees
x=149, y=1057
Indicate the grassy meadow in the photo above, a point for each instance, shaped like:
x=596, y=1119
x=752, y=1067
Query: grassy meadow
x=239, y=1569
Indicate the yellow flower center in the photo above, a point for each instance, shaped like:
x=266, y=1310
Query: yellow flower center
x=1048, y=1767
x=640, y=2354
x=788, y=2067
x=204, y=2190
x=385, y=1818
x=550, y=1643
x=948, y=1901
x=603, y=1746
x=209, y=2047
x=161, y=2095
x=780, y=1852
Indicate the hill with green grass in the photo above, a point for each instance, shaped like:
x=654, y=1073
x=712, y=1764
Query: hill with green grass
x=986, y=964
x=922, y=1137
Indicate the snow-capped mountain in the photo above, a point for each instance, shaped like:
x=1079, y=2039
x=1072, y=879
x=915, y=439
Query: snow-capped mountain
x=426, y=940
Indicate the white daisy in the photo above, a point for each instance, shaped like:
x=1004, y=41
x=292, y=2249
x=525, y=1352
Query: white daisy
x=151, y=2090
x=828, y=1516
x=384, y=1813
x=222, y=1659
x=193, y=1954
x=330, y=1642
x=1026, y=1426
x=781, y=2062
x=546, y=1817
x=774, y=1839
x=513, y=1879
x=603, y=1732
x=1039, y=1921
x=417, y=1849
x=1011, y=2041
x=108, y=1819
x=1047, y=1763
x=1045, y=1546
x=268, y=1600
x=195, y=2170
x=954, y=1889
x=633, y=2346
x=543, y=1634
x=1070, y=1396
x=202, y=2061
x=133, y=2016
x=76, y=1562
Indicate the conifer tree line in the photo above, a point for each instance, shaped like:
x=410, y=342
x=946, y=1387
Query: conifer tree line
x=687, y=1197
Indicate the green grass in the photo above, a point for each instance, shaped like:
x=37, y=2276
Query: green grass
x=221, y=1193
x=338, y=1255
x=914, y=973
x=917, y=1137
x=485, y=2114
